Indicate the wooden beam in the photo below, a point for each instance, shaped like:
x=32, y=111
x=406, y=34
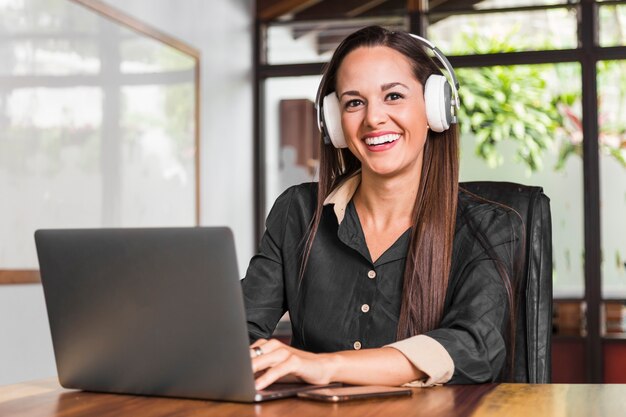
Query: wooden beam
x=335, y=9
x=334, y=12
x=273, y=9
x=365, y=7
x=19, y=276
x=388, y=8
x=416, y=5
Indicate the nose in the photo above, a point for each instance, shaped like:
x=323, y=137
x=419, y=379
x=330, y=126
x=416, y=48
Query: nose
x=375, y=114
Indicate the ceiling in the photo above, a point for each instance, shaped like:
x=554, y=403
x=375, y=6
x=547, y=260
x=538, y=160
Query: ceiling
x=333, y=20
x=298, y=10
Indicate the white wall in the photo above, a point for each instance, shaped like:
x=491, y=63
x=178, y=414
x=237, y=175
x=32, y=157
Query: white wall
x=222, y=31
x=25, y=345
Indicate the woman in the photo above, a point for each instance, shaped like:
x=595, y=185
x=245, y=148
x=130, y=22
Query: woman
x=390, y=273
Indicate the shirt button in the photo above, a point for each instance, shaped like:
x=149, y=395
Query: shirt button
x=371, y=274
x=365, y=308
x=357, y=345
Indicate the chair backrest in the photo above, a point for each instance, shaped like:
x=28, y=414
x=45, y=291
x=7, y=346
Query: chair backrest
x=533, y=331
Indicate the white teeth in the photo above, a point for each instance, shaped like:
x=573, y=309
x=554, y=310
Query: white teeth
x=382, y=139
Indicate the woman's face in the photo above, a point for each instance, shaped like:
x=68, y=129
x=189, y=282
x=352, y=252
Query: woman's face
x=382, y=111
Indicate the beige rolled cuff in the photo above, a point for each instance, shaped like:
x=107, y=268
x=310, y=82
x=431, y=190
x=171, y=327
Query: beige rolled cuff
x=429, y=356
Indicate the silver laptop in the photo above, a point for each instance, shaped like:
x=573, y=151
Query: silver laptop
x=149, y=311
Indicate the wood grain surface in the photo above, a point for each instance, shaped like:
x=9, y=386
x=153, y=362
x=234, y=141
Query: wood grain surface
x=46, y=399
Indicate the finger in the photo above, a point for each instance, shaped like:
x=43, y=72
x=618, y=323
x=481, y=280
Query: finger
x=275, y=344
x=273, y=374
x=268, y=360
x=255, y=348
x=255, y=352
x=263, y=346
x=271, y=344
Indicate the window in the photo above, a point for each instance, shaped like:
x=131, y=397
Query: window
x=482, y=33
x=526, y=136
x=567, y=135
x=612, y=25
x=612, y=142
x=97, y=126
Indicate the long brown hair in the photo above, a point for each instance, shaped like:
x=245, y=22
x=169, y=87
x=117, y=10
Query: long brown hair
x=434, y=212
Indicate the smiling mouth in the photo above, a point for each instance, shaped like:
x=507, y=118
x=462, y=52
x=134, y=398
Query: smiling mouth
x=379, y=140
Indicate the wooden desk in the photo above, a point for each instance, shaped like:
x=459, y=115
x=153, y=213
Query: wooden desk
x=46, y=399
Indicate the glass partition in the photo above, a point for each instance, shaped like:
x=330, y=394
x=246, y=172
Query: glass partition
x=529, y=132
x=612, y=142
x=612, y=25
x=291, y=134
x=483, y=33
x=97, y=126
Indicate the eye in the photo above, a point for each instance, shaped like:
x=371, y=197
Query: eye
x=394, y=96
x=353, y=104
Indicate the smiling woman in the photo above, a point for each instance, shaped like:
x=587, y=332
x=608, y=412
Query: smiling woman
x=390, y=273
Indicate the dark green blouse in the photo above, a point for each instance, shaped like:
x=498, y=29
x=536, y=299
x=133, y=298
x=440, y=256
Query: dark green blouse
x=346, y=301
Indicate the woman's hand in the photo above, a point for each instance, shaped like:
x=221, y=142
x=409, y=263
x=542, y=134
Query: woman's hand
x=278, y=361
x=381, y=366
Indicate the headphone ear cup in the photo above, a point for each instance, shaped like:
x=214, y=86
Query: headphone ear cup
x=332, y=120
x=437, y=98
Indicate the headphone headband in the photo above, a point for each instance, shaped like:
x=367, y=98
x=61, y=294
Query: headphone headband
x=446, y=64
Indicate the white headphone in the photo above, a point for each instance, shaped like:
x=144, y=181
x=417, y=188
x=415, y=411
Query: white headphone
x=441, y=99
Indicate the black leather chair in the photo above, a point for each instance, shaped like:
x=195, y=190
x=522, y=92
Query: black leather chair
x=532, y=363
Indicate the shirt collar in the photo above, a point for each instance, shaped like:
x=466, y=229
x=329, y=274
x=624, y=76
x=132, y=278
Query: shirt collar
x=342, y=195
